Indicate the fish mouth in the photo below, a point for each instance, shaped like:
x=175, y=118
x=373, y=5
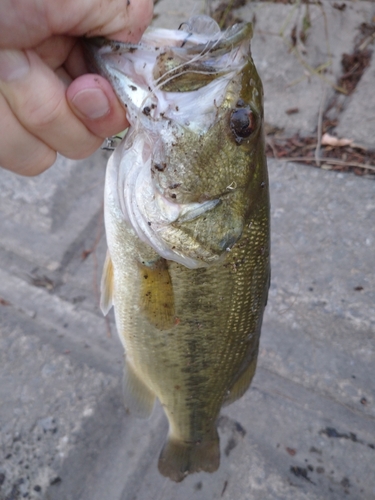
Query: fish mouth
x=198, y=58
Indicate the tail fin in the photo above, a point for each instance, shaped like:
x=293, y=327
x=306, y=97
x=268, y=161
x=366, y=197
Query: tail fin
x=180, y=458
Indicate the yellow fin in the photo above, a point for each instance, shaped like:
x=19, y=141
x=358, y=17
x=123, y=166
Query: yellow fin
x=138, y=398
x=179, y=458
x=106, y=286
x=157, y=299
x=242, y=384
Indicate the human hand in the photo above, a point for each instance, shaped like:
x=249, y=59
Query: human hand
x=48, y=102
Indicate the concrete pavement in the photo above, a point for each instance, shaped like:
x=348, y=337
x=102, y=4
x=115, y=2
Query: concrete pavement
x=306, y=428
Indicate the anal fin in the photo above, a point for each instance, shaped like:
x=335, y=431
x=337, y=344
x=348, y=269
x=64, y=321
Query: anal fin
x=138, y=398
x=106, y=286
x=242, y=384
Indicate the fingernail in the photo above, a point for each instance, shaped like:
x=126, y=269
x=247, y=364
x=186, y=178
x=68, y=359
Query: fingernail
x=92, y=103
x=14, y=65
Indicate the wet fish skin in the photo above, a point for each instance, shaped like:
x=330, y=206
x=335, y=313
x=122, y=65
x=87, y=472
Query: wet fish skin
x=191, y=335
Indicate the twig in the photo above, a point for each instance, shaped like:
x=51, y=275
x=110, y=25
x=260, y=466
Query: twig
x=329, y=161
x=288, y=18
x=208, y=10
x=320, y=126
x=318, y=69
x=366, y=42
x=271, y=144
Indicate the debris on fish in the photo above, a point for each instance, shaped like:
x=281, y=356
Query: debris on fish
x=187, y=224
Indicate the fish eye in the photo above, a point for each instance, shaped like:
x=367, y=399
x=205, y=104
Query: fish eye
x=242, y=123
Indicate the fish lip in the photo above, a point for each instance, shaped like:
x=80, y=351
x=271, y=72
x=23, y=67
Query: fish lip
x=183, y=212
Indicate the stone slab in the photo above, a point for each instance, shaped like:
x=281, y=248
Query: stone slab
x=64, y=325
x=170, y=14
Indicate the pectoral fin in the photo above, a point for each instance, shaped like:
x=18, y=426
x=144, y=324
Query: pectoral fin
x=138, y=398
x=106, y=286
x=157, y=299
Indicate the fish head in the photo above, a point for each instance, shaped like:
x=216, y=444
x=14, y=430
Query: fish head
x=192, y=164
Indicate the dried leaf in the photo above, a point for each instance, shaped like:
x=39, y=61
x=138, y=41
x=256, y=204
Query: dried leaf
x=331, y=140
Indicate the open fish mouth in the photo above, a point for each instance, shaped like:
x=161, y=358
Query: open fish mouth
x=156, y=79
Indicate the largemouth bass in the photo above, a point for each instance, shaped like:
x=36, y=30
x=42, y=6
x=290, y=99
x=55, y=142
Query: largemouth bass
x=187, y=225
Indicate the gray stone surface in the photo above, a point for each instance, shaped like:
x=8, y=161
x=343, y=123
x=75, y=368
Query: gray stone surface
x=47, y=408
x=306, y=428
x=360, y=110
x=61, y=203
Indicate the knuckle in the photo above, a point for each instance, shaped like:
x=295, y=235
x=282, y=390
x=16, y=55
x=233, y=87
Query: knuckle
x=35, y=166
x=46, y=112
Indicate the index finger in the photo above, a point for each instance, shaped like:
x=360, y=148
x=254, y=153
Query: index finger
x=25, y=24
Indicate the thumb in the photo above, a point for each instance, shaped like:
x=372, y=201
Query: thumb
x=93, y=101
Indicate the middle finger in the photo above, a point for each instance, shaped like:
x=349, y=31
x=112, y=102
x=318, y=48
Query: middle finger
x=37, y=98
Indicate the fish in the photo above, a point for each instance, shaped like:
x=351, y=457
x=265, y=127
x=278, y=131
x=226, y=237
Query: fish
x=187, y=221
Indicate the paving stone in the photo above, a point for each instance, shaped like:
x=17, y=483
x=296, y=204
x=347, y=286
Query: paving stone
x=170, y=14
x=323, y=286
x=67, y=326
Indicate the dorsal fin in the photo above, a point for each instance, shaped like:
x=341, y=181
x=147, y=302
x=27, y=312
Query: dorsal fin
x=106, y=286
